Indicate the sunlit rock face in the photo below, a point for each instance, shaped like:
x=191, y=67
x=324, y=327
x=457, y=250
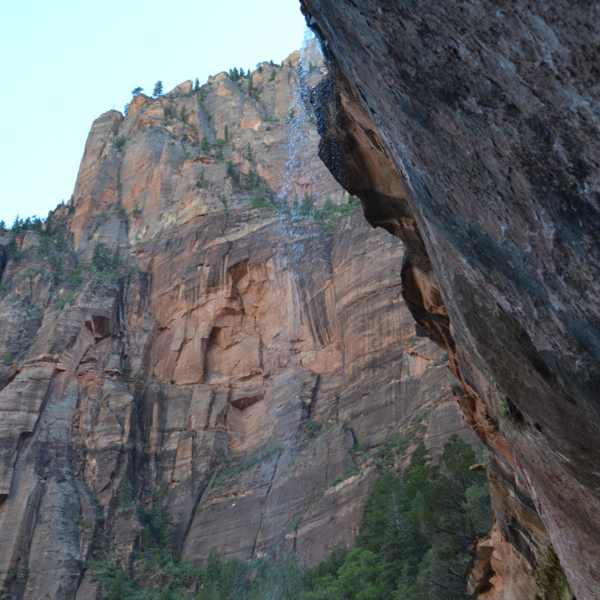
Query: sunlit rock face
x=173, y=338
x=489, y=115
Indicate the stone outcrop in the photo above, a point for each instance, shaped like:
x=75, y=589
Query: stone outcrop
x=182, y=335
x=487, y=114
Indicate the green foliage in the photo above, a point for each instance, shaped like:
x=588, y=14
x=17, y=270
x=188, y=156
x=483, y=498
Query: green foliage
x=416, y=534
x=253, y=181
x=414, y=543
x=196, y=85
x=158, y=89
x=327, y=217
x=388, y=454
x=249, y=463
x=205, y=144
x=102, y=257
x=551, y=578
x=349, y=472
x=331, y=214
x=201, y=181
x=8, y=357
x=360, y=443
x=311, y=430
x=504, y=411
x=233, y=173
x=119, y=142
x=273, y=75
x=293, y=526
x=137, y=91
x=420, y=423
x=20, y=226
x=120, y=587
x=65, y=301
x=261, y=202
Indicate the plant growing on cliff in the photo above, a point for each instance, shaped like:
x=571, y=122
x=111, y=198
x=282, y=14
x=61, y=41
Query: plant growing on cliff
x=232, y=173
x=201, y=181
x=119, y=142
x=249, y=463
x=158, y=89
x=8, y=357
x=260, y=202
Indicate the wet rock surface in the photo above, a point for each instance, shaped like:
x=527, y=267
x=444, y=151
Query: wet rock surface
x=489, y=114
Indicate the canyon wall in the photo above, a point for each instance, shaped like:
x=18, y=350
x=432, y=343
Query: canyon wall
x=471, y=131
x=205, y=336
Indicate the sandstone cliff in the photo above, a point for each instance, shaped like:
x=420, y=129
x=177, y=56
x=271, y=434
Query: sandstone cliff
x=470, y=130
x=173, y=342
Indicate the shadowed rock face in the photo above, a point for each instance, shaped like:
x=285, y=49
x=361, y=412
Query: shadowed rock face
x=489, y=115
x=175, y=332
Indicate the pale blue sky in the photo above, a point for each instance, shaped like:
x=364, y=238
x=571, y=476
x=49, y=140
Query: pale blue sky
x=65, y=62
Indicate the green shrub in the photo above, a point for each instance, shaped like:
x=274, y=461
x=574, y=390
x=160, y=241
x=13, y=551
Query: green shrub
x=248, y=464
x=8, y=357
x=261, y=202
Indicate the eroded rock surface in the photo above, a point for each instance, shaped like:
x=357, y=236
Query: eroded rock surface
x=489, y=115
x=172, y=339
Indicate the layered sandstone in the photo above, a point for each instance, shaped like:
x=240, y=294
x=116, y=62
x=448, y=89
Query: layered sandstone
x=175, y=339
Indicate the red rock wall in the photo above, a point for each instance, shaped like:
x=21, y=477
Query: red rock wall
x=187, y=340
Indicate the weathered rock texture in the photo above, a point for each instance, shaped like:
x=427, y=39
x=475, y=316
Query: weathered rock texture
x=489, y=114
x=171, y=338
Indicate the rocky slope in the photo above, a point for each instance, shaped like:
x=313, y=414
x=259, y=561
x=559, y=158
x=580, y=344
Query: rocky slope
x=172, y=342
x=476, y=130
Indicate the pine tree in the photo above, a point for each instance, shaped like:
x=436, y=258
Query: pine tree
x=196, y=85
x=158, y=89
x=137, y=91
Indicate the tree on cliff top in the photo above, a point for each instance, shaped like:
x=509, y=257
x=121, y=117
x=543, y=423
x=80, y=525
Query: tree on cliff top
x=158, y=89
x=136, y=91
